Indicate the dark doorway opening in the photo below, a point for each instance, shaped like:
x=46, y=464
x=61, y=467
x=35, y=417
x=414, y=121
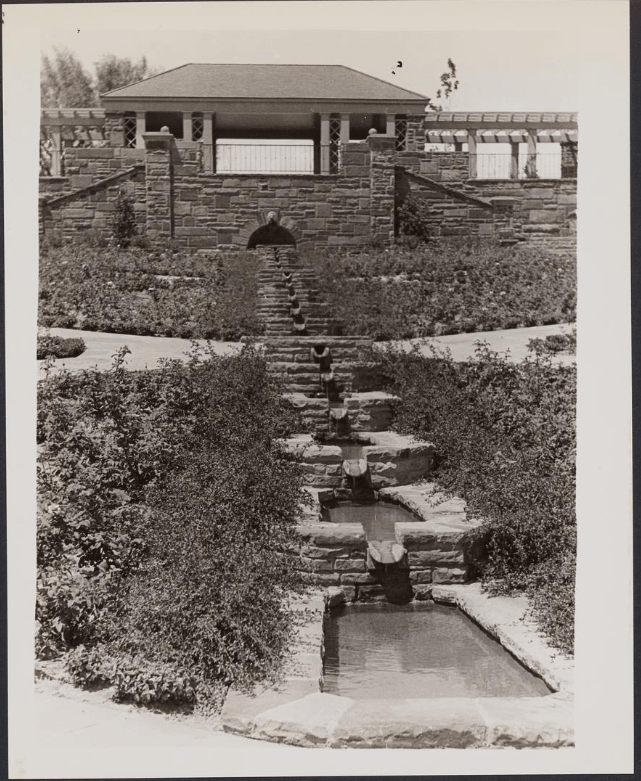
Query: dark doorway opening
x=270, y=235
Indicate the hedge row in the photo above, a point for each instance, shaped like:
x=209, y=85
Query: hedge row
x=58, y=347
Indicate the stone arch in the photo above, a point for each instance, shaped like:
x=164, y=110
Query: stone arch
x=271, y=235
x=261, y=220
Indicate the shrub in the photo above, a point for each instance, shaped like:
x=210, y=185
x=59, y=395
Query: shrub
x=445, y=287
x=505, y=438
x=167, y=510
x=124, y=226
x=554, y=344
x=414, y=218
x=58, y=347
x=148, y=292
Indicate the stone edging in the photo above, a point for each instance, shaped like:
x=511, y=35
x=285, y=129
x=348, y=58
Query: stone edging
x=297, y=712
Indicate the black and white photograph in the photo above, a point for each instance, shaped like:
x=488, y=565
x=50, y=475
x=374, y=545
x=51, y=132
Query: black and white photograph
x=326, y=445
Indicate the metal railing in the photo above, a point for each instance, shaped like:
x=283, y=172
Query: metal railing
x=272, y=159
x=501, y=165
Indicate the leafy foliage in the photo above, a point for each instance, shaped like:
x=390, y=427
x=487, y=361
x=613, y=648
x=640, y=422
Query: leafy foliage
x=505, y=435
x=58, y=347
x=64, y=82
x=445, y=287
x=138, y=291
x=555, y=344
x=113, y=72
x=167, y=510
x=413, y=218
x=124, y=221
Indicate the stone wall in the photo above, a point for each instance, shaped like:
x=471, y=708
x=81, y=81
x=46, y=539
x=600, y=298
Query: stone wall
x=175, y=200
x=213, y=211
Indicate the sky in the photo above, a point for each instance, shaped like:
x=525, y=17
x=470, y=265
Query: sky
x=517, y=57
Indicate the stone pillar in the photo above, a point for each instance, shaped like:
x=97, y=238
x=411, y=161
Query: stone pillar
x=56, y=152
x=188, y=131
x=324, y=143
x=209, y=147
x=382, y=181
x=113, y=129
x=141, y=129
x=530, y=165
x=569, y=159
x=344, y=128
x=159, y=185
x=471, y=148
x=514, y=160
x=415, y=134
x=391, y=125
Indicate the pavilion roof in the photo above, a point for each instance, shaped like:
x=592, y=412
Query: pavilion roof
x=265, y=82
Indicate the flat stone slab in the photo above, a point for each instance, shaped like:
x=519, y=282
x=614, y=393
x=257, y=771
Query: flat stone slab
x=295, y=714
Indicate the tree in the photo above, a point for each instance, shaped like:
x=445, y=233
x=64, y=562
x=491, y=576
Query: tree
x=449, y=84
x=65, y=83
x=113, y=72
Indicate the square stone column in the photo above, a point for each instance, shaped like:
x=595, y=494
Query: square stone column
x=514, y=160
x=209, y=146
x=344, y=128
x=530, y=165
x=324, y=143
x=188, y=128
x=382, y=187
x=391, y=125
x=471, y=149
x=141, y=129
x=160, y=148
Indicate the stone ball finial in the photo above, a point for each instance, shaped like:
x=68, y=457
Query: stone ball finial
x=164, y=129
x=272, y=217
x=372, y=131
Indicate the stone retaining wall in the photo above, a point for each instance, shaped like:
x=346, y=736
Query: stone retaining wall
x=174, y=199
x=443, y=547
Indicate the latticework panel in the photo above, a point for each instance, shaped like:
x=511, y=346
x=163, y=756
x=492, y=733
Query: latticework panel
x=401, y=134
x=197, y=127
x=129, y=127
x=334, y=145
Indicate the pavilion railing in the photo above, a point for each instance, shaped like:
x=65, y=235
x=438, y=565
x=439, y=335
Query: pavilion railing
x=275, y=159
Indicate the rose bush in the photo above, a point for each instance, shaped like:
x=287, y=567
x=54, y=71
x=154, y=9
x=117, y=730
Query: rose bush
x=141, y=291
x=445, y=287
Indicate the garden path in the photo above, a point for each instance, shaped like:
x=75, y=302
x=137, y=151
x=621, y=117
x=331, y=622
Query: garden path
x=147, y=350
x=515, y=340
x=67, y=719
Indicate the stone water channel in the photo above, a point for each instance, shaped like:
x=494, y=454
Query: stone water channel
x=376, y=534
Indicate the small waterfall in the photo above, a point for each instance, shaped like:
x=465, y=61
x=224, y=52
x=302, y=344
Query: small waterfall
x=387, y=561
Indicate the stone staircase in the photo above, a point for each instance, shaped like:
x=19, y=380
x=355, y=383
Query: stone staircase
x=320, y=370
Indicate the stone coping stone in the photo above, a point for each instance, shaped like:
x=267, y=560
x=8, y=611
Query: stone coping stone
x=425, y=500
x=380, y=445
x=295, y=712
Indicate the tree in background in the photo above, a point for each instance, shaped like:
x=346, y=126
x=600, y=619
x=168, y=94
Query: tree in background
x=113, y=72
x=64, y=82
x=449, y=84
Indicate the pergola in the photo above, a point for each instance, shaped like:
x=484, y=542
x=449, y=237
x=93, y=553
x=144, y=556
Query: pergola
x=512, y=128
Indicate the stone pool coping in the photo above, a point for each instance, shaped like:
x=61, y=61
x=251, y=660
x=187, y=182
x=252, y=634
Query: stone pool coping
x=298, y=712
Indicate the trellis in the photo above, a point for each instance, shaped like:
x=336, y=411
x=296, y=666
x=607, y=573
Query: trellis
x=63, y=128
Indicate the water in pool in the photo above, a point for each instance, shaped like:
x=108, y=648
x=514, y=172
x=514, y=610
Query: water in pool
x=420, y=650
x=378, y=518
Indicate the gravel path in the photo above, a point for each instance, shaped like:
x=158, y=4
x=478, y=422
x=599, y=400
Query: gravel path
x=147, y=350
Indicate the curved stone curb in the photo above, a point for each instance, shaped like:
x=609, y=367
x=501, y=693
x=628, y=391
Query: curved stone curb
x=297, y=712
